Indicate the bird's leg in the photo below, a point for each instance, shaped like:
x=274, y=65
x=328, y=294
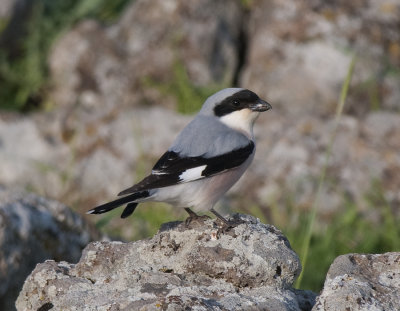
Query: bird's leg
x=220, y=217
x=193, y=216
x=191, y=213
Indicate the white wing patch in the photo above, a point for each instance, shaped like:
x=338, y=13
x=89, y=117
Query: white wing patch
x=192, y=173
x=157, y=172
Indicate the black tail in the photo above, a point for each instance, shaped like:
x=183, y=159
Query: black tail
x=129, y=209
x=116, y=203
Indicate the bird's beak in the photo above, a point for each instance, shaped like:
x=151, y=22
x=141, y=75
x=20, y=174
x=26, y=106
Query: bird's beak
x=260, y=105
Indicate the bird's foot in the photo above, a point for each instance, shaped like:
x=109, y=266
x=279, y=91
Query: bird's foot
x=227, y=224
x=193, y=217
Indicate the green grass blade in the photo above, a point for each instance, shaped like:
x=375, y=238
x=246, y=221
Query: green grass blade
x=307, y=239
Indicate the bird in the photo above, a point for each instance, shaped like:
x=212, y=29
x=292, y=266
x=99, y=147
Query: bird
x=206, y=159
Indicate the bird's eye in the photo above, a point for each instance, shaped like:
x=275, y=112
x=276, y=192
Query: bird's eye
x=236, y=103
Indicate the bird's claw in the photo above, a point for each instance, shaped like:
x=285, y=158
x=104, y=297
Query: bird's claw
x=228, y=224
x=193, y=217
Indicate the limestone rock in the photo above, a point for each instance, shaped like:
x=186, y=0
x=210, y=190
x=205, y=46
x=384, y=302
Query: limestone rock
x=93, y=66
x=362, y=282
x=96, y=164
x=33, y=229
x=248, y=267
x=291, y=155
x=299, y=52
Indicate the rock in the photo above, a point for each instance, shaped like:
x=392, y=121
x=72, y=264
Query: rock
x=291, y=154
x=270, y=47
x=362, y=282
x=201, y=266
x=121, y=65
x=33, y=229
x=6, y=7
x=298, y=54
x=36, y=162
x=99, y=161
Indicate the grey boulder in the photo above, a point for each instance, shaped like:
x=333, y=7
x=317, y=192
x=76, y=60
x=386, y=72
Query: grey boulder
x=198, y=266
x=362, y=282
x=33, y=229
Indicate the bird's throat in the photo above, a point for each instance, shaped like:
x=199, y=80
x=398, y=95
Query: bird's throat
x=241, y=120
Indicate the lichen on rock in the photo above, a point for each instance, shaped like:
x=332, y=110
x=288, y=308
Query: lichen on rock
x=249, y=266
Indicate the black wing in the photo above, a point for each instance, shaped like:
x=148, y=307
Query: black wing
x=171, y=169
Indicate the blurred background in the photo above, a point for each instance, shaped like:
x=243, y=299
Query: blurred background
x=92, y=92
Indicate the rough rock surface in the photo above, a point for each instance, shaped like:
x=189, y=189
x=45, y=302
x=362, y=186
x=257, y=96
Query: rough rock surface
x=197, y=266
x=93, y=164
x=268, y=46
x=291, y=154
x=33, y=229
x=121, y=64
x=362, y=282
x=299, y=52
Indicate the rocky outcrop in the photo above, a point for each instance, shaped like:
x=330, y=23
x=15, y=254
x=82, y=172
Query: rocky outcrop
x=362, y=282
x=202, y=265
x=199, y=266
x=33, y=229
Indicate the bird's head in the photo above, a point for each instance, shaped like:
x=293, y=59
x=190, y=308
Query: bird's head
x=235, y=107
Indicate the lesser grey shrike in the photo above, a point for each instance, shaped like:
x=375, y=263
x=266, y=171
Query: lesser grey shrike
x=206, y=159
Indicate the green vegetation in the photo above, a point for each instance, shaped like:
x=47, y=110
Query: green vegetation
x=247, y=4
x=348, y=231
x=188, y=96
x=25, y=49
x=147, y=220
